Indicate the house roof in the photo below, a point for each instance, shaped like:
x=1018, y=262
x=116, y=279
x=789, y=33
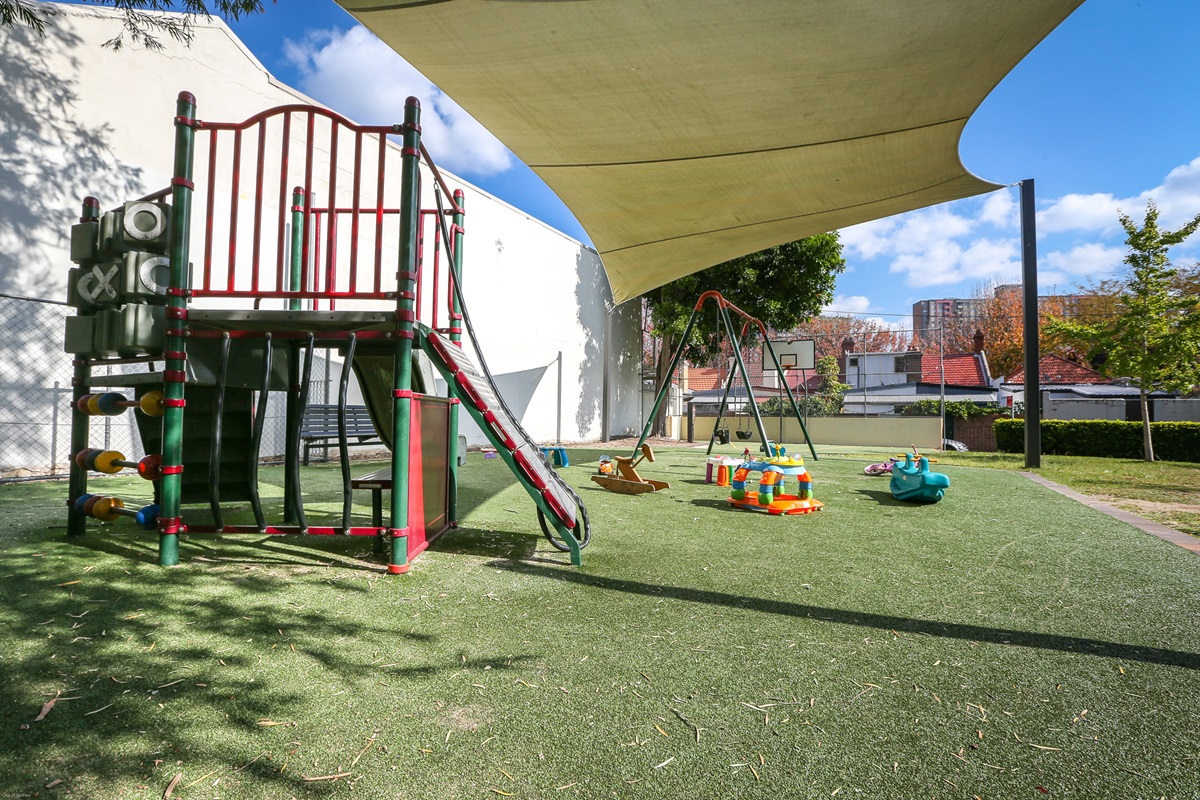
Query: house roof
x=961, y=369
x=1056, y=369
x=703, y=378
x=905, y=393
x=1107, y=390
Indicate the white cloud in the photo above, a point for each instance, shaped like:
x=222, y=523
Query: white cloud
x=1000, y=209
x=1080, y=212
x=926, y=229
x=853, y=304
x=869, y=239
x=356, y=74
x=991, y=259
x=979, y=239
x=1093, y=259
x=1178, y=198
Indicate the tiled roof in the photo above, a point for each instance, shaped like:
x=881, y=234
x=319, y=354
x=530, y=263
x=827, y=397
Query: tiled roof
x=703, y=378
x=961, y=369
x=1056, y=369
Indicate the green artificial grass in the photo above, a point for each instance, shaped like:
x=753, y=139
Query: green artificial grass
x=1006, y=642
x=1167, y=492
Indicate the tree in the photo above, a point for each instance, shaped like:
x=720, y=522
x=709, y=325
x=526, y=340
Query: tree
x=1154, y=337
x=1002, y=322
x=141, y=22
x=825, y=403
x=782, y=286
x=829, y=331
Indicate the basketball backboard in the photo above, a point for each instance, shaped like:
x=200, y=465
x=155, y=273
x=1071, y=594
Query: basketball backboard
x=792, y=354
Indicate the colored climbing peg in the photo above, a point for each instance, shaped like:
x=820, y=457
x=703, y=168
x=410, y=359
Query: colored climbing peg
x=108, y=509
x=110, y=404
x=113, y=461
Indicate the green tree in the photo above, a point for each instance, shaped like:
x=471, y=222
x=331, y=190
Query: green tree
x=140, y=21
x=1154, y=336
x=782, y=286
x=825, y=403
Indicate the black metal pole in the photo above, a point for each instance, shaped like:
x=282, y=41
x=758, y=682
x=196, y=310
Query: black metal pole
x=1033, y=397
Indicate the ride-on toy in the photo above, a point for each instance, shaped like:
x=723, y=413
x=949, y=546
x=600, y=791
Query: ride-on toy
x=914, y=482
x=627, y=480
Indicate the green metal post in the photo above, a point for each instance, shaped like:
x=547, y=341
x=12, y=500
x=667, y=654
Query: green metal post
x=456, y=338
x=737, y=354
x=174, y=373
x=296, y=262
x=791, y=399
x=410, y=209
x=76, y=521
x=293, y=411
x=662, y=393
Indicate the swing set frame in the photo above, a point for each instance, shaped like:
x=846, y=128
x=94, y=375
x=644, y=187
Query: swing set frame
x=724, y=307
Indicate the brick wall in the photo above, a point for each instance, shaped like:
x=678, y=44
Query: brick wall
x=977, y=433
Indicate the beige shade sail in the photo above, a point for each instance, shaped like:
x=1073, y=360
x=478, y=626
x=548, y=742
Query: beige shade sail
x=683, y=133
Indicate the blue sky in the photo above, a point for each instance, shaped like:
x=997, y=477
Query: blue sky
x=1104, y=114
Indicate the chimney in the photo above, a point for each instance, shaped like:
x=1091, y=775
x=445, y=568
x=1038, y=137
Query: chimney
x=978, y=341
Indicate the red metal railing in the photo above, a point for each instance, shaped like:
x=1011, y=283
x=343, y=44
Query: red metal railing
x=346, y=180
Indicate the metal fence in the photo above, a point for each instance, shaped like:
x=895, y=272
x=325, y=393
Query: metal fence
x=35, y=395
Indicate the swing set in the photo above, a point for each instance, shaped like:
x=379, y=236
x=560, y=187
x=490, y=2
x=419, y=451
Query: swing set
x=724, y=307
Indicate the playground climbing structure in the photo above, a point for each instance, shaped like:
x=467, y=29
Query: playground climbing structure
x=311, y=233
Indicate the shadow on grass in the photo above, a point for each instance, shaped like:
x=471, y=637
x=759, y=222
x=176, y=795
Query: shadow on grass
x=886, y=498
x=150, y=656
x=520, y=544
x=265, y=551
x=886, y=622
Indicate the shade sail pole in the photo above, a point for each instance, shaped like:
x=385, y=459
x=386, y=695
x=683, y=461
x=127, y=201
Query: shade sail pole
x=1033, y=397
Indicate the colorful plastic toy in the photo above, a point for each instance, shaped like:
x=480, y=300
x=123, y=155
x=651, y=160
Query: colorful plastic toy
x=108, y=509
x=915, y=483
x=770, y=496
x=628, y=481
x=723, y=466
x=111, y=462
x=111, y=404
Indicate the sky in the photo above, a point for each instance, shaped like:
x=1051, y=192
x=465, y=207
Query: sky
x=1103, y=115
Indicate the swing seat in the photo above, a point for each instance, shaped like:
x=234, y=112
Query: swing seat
x=744, y=435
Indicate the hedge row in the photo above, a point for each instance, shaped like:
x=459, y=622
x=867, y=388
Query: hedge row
x=1173, y=441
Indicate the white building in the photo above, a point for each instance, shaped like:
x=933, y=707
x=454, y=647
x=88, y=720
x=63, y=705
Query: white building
x=79, y=119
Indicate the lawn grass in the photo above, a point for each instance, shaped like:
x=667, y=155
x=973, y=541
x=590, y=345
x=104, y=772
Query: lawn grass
x=1167, y=492
x=1000, y=643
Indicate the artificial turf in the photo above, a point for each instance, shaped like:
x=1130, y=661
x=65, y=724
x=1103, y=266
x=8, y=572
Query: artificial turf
x=1006, y=642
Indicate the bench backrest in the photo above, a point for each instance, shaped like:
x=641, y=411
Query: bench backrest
x=322, y=420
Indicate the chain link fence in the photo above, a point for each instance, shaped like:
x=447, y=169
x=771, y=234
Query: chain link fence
x=35, y=395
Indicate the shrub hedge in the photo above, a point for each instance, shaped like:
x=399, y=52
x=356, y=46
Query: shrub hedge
x=1173, y=441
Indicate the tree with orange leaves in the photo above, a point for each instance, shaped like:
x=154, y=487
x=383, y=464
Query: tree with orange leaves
x=1003, y=326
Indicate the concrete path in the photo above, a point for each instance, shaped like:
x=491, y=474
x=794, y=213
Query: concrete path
x=1153, y=528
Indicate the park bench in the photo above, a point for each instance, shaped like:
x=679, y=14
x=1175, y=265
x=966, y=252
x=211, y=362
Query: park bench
x=320, y=427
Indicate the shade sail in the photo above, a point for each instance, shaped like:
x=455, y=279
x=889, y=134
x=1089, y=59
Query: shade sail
x=683, y=133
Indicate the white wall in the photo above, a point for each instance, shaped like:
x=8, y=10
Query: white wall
x=1177, y=410
x=874, y=369
x=85, y=120
x=1064, y=408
